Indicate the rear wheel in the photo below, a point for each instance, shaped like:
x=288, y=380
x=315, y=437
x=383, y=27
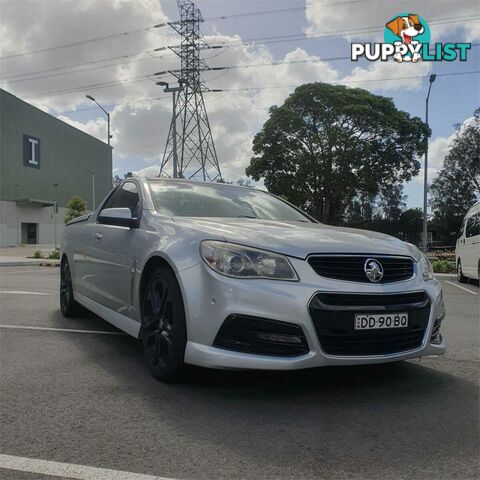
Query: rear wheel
x=68, y=305
x=164, y=332
x=460, y=277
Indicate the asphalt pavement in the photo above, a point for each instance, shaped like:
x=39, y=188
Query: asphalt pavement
x=83, y=405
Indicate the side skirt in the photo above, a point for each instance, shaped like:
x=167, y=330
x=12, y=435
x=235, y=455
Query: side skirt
x=122, y=322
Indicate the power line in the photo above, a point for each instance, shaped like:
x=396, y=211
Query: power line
x=283, y=10
x=335, y=33
x=94, y=86
x=81, y=70
x=144, y=78
x=83, y=42
x=272, y=64
x=271, y=87
x=133, y=102
x=226, y=91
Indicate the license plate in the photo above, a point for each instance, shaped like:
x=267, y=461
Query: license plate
x=367, y=321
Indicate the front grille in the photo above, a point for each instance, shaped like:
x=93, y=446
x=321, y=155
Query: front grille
x=333, y=317
x=248, y=334
x=351, y=267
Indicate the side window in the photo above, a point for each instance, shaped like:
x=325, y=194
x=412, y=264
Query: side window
x=127, y=197
x=109, y=201
x=473, y=226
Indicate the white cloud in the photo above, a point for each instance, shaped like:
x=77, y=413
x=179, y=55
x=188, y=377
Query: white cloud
x=349, y=17
x=437, y=151
x=390, y=75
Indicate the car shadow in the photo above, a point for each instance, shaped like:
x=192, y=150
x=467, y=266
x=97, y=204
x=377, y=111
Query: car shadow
x=410, y=416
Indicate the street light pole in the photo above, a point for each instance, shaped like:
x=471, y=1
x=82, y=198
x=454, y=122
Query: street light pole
x=108, y=117
x=425, y=175
x=93, y=189
x=174, y=91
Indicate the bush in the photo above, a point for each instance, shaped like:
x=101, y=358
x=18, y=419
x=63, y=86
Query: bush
x=55, y=255
x=443, y=266
x=76, y=207
x=38, y=254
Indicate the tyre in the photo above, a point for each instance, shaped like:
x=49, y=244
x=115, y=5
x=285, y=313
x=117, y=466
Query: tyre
x=164, y=332
x=460, y=277
x=68, y=305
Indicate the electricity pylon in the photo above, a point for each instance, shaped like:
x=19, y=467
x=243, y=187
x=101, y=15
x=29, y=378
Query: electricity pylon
x=197, y=157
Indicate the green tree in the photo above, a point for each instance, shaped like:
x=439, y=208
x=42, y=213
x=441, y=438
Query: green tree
x=457, y=186
x=328, y=144
x=410, y=225
x=76, y=207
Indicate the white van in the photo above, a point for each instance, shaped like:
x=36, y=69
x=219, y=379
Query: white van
x=467, y=250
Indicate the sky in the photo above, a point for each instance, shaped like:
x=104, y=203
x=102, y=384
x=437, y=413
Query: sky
x=54, y=52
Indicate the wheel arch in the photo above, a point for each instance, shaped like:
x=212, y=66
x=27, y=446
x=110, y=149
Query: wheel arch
x=153, y=263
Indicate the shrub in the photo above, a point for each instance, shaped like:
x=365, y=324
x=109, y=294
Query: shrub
x=443, y=266
x=76, y=207
x=38, y=254
x=55, y=255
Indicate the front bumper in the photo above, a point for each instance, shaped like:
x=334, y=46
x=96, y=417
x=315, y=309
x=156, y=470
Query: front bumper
x=210, y=298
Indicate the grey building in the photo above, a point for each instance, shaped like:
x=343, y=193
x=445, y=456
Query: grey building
x=43, y=163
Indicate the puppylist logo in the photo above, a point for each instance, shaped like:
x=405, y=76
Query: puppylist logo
x=407, y=39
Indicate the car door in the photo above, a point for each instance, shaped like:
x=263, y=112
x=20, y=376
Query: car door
x=111, y=254
x=81, y=245
x=472, y=246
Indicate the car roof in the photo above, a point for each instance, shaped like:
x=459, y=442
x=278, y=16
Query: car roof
x=194, y=182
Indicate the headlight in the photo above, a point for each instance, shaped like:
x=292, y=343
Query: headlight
x=245, y=262
x=425, y=267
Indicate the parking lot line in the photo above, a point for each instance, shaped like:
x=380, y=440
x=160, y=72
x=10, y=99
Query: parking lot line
x=21, y=292
x=53, y=329
x=69, y=470
x=463, y=288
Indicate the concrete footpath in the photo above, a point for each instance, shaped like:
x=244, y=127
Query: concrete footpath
x=21, y=256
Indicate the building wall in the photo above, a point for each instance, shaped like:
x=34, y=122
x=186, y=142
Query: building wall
x=65, y=155
x=13, y=216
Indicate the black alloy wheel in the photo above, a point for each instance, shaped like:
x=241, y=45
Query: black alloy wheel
x=68, y=305
x=164, y=333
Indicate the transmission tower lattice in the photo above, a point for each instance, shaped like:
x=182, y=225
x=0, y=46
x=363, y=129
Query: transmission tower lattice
x=197, y=157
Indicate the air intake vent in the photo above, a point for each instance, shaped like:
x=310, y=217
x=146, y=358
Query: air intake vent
x=333, y=317
x=351, y=267
x=244, y=333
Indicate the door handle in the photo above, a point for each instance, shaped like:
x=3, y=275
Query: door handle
x=98, y=236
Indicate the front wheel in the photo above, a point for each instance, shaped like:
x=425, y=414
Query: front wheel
x=164, y=332
x=460, y=277
x=68, y=305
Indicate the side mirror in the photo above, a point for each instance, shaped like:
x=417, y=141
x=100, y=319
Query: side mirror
x=120, y=217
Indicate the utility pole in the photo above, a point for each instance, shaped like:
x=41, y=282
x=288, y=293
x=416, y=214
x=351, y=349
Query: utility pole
x=173, y=125
x=108, y=117
x=425, y=176
x=196, y=157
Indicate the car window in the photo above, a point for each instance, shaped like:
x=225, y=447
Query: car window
x=109, y=201
x=127, y=197
x=473, y=226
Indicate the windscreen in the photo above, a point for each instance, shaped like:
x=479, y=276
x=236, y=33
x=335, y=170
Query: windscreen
x=205, y=200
